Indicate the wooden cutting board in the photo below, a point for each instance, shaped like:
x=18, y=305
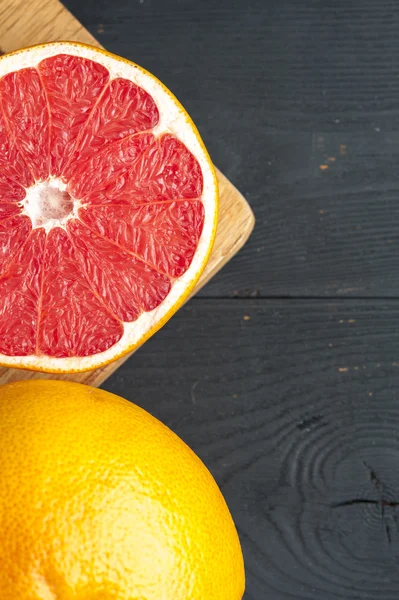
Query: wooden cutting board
x=28, y=22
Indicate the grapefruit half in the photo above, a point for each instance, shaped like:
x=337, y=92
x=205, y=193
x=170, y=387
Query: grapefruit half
x=108, y=207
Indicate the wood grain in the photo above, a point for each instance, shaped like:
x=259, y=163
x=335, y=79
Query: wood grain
x=294, y=406
x=327, y=219
x=284, y=85
x=25, y=23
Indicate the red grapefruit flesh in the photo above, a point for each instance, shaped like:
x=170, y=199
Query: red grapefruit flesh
x=73, y=319
x=73, y=85
x=25, y=111
x=20, y=296
x=102, y=209
x=164, y=234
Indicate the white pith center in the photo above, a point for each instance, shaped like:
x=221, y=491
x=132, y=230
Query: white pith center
x=48, y=204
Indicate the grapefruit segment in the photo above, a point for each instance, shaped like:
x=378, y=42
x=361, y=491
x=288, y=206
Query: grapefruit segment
x=164, y=234
x=13, y=234
x=73, y=85
x=106, y=168
x=166, y=170
x=14, y=173
x=19, y=297
x=25, y=109
x=10, y=191
x=9, y=210
x=127, y=284
x=123, y=109
x=73, y=320
x=108, y=207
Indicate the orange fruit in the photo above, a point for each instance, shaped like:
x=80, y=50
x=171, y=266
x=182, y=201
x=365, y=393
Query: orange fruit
x=101, y=501
x=108, y=207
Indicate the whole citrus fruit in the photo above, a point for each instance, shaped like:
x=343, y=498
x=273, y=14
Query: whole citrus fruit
x=100, y=501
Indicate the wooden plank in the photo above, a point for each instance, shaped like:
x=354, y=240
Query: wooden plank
x=291, y=83
x=327, y=218
x=25, y=23
x=294, y=406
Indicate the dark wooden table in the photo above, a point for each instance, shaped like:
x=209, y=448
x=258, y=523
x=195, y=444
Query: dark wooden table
x=283, y=374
